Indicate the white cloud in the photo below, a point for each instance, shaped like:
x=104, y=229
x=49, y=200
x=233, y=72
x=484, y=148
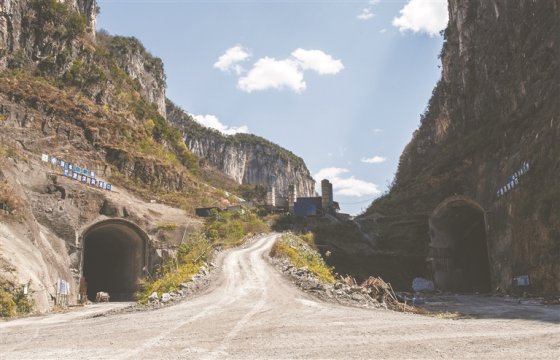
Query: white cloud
x=374, y=160
x=345, y=185
x=318, y=61
x=366, y=14
x=428, y=16
x=383, y=31
x=230, y=60
x=212, y=121
x=269, y=73
x=330, y=173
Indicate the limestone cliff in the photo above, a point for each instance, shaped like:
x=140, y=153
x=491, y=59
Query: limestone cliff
x=488, y=144
x=146, y=70
x=57, y=39
x=248, y=159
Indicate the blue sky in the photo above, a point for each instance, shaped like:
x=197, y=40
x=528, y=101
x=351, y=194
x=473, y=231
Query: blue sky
x=340, y=83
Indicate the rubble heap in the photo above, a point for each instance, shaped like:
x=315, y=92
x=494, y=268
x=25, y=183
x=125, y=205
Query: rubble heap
x=372, y=293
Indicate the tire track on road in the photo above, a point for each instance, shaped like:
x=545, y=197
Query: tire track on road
x=235, y=275
x=257, y=265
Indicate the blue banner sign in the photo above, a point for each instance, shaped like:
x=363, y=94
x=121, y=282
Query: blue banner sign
x=513, y=180
x=77, y=173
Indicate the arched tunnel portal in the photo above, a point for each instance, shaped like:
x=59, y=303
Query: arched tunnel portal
x=459, y=251
x=114, y=257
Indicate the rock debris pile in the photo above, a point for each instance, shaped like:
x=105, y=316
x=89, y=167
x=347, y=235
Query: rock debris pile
x=198, y=282
x=372, y=293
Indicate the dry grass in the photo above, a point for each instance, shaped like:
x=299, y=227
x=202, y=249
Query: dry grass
x=301, y=253
x=226, y=229
x=167, y=226
x=9, y=201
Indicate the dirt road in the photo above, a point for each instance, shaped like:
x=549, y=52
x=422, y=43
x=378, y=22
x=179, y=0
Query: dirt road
x=251, y=311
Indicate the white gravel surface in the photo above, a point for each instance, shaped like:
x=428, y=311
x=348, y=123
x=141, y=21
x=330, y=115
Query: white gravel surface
x=252, y=311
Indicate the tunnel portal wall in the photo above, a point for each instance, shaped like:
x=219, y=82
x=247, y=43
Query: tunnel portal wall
x=459, y=249
x=114, y=258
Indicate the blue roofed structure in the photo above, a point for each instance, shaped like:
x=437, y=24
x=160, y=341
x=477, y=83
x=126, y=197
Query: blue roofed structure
x=308, y=206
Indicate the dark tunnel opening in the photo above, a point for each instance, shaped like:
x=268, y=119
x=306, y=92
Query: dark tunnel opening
x=459, y=248
x=114, y=256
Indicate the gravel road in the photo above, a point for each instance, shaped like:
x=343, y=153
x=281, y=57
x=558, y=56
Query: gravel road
x=252, y=311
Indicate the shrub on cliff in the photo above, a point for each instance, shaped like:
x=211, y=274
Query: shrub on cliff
x=9, y=202
x=14, y=301
x=7, y=305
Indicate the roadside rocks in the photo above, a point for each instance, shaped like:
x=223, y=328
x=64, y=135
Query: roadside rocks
x=338, y=292
x=199, y=281
x=372, y=293
x=153, y=297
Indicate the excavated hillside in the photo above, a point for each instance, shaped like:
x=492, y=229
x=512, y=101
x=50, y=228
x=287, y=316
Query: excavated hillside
x=475, y=202
x=98, y=102
x=94, y=101
x=246, y=158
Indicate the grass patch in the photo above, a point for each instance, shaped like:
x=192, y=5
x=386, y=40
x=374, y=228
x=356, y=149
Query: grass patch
x=228, y=228
x=167, y=226
x=225, y=229
x=301, y=252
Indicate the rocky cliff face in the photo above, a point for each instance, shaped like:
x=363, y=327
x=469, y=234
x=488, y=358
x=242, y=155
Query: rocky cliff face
x=132, y=58
x=494, y=111
x=247, y=159
x=32, y=31
x=57, y=39
x=90, y=100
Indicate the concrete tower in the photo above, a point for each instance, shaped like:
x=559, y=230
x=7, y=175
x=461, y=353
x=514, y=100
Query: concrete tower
x=271, y=196
x=292, y=196
x=326, y=195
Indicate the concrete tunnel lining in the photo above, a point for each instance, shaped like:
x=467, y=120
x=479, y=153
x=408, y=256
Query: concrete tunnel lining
x=114, y=258
x=459, y=246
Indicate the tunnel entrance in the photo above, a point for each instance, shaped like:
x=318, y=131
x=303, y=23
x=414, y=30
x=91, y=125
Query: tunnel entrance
x=113, y=259
x=459, y=250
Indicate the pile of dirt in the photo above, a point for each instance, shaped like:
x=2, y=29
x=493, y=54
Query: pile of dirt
x=372, y=293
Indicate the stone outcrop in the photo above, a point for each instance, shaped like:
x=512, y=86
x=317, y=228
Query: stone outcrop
x=247, y=159
x=494, y=111
x=131, y=57
x=54, y=38
x=89, y=9
x=147, y=171
x=37, y=32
